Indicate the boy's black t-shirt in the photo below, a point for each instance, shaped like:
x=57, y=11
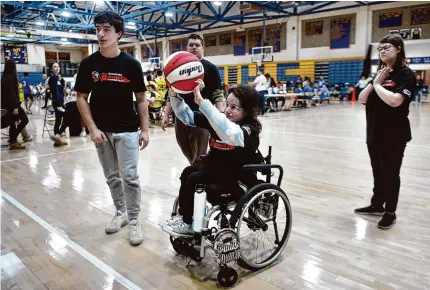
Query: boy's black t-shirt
x=111, y=82
x=212, y=82
x=386, y=124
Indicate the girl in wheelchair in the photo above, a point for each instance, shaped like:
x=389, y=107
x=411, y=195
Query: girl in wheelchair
x=234, y=140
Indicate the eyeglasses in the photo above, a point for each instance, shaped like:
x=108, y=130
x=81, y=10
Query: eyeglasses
x=384, y=48
x=233, y=107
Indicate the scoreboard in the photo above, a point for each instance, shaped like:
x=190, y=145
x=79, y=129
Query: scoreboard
x=16, y=52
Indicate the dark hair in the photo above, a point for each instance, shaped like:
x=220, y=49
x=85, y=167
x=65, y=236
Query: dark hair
x=151, y=86
x=267, y=75
x=159, y=73
x=248, y=98
x=195, y=36
x=112, y=18
x=397, y=42
x=10, y=69
x=25, y=74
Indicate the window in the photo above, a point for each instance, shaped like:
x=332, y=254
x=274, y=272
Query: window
x=225, y=39
x=210, y=40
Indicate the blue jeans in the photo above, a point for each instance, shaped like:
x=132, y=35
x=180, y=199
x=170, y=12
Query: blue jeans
x=119, y=156
x=417, y=96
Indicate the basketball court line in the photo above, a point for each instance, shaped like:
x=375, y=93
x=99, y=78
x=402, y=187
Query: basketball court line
x=332, y=137
x=68, y=151
x=77, y=248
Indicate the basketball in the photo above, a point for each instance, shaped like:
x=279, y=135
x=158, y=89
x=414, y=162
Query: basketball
x=182, y=70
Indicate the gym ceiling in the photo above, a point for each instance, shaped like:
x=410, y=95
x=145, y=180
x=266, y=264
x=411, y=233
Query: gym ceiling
x=70, y=22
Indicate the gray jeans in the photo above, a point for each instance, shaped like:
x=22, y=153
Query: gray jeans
x=119, y=156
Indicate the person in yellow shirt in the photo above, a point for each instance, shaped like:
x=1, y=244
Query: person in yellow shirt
x=20, y=92
x=161, y=83
x=156, y=101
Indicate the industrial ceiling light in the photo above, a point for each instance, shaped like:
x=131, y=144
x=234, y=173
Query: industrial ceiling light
x=40, y=23
x=65, y=13
x=131, y=23
x=63, y=39
x=168, y=14
x=217, y=3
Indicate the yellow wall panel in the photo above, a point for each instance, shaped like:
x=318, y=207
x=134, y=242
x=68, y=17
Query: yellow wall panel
x=292, y=72
x=226, y=74
x=239, y=74
x=252, y=70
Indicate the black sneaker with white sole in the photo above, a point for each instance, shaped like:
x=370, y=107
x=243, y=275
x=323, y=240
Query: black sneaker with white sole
x=370, y=210
x=387, y=222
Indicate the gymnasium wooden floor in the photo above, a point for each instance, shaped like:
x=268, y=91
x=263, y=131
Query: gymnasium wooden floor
x=55, y=205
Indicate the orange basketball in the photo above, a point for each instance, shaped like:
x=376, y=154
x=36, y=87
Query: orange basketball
x=182, y=70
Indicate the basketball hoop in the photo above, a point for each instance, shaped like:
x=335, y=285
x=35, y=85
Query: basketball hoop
x=260, y=60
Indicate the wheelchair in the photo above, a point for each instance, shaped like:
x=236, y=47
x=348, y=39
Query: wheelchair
x=245, y=224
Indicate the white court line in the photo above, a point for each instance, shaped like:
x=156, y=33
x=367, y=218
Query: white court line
x=75, y=150
x=78, y=249
x=332, y=137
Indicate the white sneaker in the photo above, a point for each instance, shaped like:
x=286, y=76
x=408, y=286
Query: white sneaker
x=135, y=233
x=119, y=220
x=182, y=228
x=83, y=134
x=173, y=220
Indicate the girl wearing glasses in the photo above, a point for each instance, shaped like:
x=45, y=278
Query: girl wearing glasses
x=234, y=140
x=387, y=101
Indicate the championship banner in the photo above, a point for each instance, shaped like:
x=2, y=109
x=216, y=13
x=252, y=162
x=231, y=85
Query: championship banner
x=16, y=52
x=340, y=33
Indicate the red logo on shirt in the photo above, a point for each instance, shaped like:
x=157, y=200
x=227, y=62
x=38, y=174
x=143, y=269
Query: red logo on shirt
x=113, y=77
x=219, y=145
x=389, y=83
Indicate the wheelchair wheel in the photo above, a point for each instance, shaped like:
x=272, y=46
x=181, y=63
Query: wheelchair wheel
x=262, y=219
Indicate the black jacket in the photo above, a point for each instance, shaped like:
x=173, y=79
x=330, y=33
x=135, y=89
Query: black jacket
x=9, y=93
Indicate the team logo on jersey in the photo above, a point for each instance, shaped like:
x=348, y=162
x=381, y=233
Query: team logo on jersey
x=407, y=92
x=247, y=129
x=389, y=83
x=114, y=77
x=96, y=76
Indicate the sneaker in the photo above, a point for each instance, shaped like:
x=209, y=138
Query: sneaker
x=58, y=141
x=387, y=222
x=27, y=139
x=135, y=233
x=182, y=228
x=83, y=134
x=370, y=210
x=16, y=146
x=118, y=221
x=173, y=220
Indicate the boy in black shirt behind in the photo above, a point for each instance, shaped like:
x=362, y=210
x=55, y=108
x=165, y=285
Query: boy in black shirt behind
x=112, y=76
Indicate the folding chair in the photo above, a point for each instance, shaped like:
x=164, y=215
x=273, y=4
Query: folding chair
x=48, y=120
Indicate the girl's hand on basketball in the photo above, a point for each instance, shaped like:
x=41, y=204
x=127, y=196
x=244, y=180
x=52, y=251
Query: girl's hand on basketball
x=172, y=93
x=198, y=99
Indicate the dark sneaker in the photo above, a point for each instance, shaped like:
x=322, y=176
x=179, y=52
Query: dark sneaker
x=387, y=222
x=370, y=210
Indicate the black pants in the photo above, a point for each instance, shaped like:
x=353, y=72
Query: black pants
x=14, y=130
x=60, y=120
x=47, y=97
x=204, y=174
x=386, y=161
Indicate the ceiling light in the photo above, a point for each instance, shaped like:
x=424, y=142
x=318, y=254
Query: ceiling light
x=168, y=14
x=217, y=3
x=40, y=23
x=131, y=26
x=131, y=23
x=65, y=13
x=63, y=39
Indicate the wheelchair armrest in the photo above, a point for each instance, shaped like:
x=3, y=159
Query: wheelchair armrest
x=265, y=169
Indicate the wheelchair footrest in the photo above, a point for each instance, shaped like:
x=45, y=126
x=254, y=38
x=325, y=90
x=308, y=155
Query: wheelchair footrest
x=175, y=235
x=187, y=250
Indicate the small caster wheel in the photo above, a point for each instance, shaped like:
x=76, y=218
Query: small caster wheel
x=227, y=277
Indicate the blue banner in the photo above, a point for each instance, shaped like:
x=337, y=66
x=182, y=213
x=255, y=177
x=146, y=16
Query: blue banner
x=16, y=52
x=239, y=44
x=340, y=33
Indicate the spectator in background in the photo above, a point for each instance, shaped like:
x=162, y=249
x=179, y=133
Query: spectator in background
x=261, y=85
x=28, y=96
x=46, y=89
x=57, y=86
x=418, y=89
x=361, y=84
x=10, y=103
x=321, y=81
